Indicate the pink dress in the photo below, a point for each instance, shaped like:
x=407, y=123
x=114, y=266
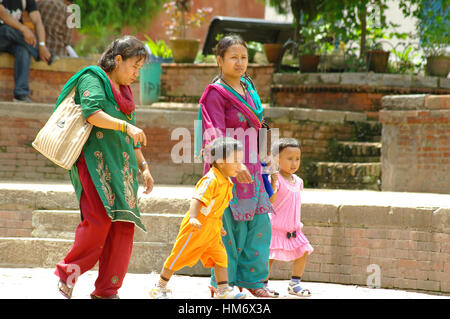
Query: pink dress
x=288, y=241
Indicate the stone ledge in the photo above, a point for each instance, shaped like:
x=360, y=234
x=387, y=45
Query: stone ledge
x=382, y=81
x=416, y=102
x=63, y=64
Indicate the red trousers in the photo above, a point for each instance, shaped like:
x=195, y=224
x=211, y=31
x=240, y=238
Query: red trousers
x=97, y=238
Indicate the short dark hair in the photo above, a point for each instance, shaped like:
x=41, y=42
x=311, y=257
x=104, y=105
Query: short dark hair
x=127, y=46
x=221, y=148
x=283, y=143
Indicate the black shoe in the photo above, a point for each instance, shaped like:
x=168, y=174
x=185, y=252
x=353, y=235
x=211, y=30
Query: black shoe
x=22, y=99
x=52, y=59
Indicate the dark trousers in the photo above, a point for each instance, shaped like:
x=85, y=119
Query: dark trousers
x=13, y=42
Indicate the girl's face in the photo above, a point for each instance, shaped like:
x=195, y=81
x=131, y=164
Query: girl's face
x=289, y=160
x=234, y=62
x=127, y=71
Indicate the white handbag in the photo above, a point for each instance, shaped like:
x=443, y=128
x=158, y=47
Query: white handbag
x=63, y=136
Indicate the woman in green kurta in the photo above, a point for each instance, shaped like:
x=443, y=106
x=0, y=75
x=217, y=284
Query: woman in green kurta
x=105, y=175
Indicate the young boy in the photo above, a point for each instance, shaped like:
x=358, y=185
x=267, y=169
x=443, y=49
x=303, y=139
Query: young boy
x=201, y=229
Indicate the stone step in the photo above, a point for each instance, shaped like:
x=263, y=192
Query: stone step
x=357, y=152
x=146, y=257
x=338, y=175
x=61, y=224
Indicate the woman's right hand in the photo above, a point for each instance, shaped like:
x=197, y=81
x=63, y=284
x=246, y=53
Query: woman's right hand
x=244, y=175
x=136, y=134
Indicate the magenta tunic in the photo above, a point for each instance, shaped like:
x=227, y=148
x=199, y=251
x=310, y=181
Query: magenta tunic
x=248, y=199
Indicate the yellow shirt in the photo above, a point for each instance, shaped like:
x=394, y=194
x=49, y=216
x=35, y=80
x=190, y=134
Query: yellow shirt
x=205, y=244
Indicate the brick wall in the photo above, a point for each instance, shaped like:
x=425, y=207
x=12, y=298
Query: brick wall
x=416, y=143
x=45, y=81
x=15, y=223
x=360, y=92
x=186, y=82
x=19, y=161
x=411, y=246
x=406, y=235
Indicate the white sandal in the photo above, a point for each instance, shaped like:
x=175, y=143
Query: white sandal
x=301, y=293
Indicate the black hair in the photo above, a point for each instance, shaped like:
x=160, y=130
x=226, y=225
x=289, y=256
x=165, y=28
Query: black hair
x=127, y=46
x=222, y=47
x=221, y=148
x=283, y=143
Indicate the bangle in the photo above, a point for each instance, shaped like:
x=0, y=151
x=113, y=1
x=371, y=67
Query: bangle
x=142, y=164
x=42, y=44
x=122, y=126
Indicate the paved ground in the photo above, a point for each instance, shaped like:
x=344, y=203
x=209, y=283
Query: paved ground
x=40, y=283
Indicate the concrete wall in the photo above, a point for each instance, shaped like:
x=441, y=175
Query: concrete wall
x=416, y=143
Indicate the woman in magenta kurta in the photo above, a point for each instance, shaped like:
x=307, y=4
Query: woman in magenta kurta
x=231, y=107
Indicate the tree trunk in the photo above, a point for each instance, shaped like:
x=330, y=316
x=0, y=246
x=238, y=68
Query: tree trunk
x=362, y=19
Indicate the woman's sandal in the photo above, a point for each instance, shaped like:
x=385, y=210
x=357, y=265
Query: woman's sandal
x=262, y=292
x=64, y=289
x=301, y=293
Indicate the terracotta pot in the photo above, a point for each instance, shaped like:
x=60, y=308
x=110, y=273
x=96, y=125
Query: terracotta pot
x=438, y=65
x=272, y=51
x=309, y=62
x=184, y=50
x=377, y=60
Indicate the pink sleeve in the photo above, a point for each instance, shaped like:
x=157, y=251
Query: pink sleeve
x=213, y=116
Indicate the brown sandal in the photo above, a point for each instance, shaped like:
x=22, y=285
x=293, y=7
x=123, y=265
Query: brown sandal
x=65, y=290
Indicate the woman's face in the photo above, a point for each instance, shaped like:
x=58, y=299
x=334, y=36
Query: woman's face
x=234, y=62
x=127, y=71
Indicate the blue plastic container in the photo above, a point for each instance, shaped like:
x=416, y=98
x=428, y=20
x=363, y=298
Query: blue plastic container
x=150, y=80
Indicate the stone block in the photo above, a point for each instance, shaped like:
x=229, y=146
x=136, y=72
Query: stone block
x=440, y=220
x=396, y=80
x=444, y=83
x=354, y=79
x=319, y=214
x=330, y=78
x=437, y=102
x=425, y=81
x=412, y=101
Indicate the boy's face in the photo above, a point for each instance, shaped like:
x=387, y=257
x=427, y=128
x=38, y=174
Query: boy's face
x=231, y=166
x=289, y=160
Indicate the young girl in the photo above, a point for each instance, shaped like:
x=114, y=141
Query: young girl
x=288, y=241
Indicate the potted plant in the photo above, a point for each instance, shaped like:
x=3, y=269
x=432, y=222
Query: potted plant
x=272, y=51
x=180, y=18
x=377, y=58
x=308, y=49
x=434, y=37
x=150, y=73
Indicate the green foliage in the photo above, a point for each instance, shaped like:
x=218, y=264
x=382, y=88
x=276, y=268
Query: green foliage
x=159, y=48
x=97, y=15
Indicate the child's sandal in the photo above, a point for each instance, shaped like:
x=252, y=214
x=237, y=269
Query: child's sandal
x=64, y=289
x=301, y=292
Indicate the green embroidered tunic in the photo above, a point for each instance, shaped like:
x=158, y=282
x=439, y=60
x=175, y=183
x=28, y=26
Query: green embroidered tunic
x=109, y=154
